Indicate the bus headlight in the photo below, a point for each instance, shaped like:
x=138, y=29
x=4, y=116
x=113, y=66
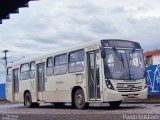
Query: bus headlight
x=109, y=84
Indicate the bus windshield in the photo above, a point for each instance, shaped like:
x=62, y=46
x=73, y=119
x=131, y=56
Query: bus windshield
x=124, y=64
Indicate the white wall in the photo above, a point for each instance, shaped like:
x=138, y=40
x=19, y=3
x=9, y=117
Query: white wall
x=156, y=59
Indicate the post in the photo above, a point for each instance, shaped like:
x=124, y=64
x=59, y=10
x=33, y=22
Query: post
x=5, y=57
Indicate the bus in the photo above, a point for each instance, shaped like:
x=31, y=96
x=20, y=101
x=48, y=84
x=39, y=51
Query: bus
x=109, y=70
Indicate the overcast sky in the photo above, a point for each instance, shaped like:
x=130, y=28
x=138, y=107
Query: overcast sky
x=49, y=25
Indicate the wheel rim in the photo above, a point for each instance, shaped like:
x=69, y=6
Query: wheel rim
x=79, y=99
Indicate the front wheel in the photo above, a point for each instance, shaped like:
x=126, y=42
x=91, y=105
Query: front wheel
x=79, y=99
x=115, y=104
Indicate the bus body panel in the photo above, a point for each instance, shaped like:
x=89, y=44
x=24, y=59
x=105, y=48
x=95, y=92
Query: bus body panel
x=111, y=95
x=59, y=88
x=27, y=85
x=9, y=91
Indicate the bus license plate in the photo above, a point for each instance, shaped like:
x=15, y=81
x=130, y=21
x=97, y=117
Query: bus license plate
x=131, y=96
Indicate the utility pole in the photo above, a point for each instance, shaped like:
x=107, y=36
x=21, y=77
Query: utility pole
x=5, y=57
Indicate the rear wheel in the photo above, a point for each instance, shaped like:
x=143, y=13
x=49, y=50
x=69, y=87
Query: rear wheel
x=115, y=104
x=28, y=100
x=79, y=99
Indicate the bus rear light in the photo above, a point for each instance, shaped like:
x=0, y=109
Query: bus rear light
x=109, y=84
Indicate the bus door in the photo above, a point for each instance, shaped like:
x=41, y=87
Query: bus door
x=41, y=81
x=93, y=75
x=16, y=83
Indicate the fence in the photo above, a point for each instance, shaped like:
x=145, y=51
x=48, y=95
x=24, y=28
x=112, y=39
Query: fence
x=153, y=79
x=2, y=91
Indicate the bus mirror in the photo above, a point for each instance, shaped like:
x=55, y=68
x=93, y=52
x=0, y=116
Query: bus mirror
x=103, y=53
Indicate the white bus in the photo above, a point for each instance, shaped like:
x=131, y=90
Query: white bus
x=101, y=71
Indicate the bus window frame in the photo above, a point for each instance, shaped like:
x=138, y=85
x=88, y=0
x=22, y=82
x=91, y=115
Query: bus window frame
x=49, y=66
x=60, y=64
x=28, y=71
x=76, y=61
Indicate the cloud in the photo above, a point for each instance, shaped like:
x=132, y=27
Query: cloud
x=52, y=25
x=53, y=22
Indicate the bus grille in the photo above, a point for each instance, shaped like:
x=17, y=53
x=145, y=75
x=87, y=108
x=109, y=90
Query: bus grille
x=128, y=88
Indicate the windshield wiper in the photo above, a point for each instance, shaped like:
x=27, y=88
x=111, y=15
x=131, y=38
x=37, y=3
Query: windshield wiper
x=119, y=55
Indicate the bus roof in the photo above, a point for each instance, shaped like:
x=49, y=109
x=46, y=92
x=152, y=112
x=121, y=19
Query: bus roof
x=84, y=45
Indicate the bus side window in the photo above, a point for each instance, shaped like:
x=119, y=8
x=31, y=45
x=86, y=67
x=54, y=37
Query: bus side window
x=32, y=70
x=49, y=66
x=24, y=71
x=76, y=61
x=60, y=64
x=9, y=74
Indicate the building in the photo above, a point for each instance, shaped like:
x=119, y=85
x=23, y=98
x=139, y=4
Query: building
x=152, y=57
x=8, y=7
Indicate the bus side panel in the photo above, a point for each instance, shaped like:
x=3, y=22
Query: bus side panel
x=50, y=89
x=59, y=87
x=27, y=85
x=9, y=91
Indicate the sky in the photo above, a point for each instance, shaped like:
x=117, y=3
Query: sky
x=51, y=25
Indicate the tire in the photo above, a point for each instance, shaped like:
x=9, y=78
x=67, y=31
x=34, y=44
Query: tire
x=115, y=104
x=79, y=99
x=35, y=105
x=59, y=105
x=28, y=100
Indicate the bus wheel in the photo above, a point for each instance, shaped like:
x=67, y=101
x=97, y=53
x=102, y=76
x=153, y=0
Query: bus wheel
x=28, y=100
x=79, y=99
x=115, y=104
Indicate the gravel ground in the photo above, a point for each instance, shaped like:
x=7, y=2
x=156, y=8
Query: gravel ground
x=95, y=111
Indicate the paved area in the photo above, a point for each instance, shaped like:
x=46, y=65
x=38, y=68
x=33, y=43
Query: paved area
x=17, y=111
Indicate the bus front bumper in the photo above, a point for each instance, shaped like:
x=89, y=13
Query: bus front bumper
x=113, y=95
